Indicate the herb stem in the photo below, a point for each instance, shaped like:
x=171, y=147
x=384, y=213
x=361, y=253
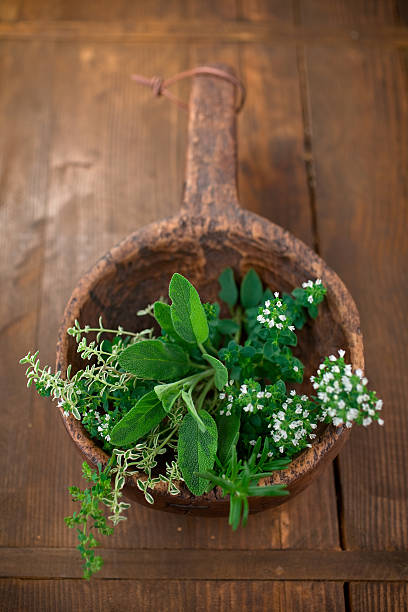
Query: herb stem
x=117, y=332
x=204, y=393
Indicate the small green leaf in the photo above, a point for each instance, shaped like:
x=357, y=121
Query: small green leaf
x=229, y=291
x=187, y=312
x=300, y=296
x=270, y=349
x=288, y=337
x=167, y=395
x=268, y=491
x=312, y=310
x=196, y=450
x=146, y=414
x=228, y=433
x=188, y=400
x=155, y=360
x=247, y=351
x=227, y=327
x=162, y=315
x=251, y=289
x=235, y=511
x=221, y=372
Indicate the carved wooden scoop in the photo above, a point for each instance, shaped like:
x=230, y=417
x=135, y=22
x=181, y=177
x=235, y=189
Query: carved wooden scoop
x=210, y=233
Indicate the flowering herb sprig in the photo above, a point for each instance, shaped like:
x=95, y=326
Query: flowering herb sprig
x=199, y=400
x=289, y=419
x=343, y=394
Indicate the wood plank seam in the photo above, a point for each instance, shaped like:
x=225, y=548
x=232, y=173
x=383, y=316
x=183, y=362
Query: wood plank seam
x=192, y=564
x=200, y=31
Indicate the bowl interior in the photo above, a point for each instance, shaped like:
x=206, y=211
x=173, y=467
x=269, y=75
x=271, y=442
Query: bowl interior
x=134, y=275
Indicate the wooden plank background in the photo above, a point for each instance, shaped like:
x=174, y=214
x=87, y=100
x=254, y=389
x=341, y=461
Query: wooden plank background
x=87, y=156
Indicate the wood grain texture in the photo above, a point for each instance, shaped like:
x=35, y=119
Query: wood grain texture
x=373, y=597
x=352, y=13
x=24, y=139
x=81, y=144
x=125, y=10
x=361, y=196
x=149, y=596
x=184, y=564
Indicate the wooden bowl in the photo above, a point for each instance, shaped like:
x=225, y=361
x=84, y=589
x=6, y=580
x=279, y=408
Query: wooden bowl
x=210, y=233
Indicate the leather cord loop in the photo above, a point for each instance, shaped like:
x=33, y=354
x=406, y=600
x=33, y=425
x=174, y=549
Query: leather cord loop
x=160, y=86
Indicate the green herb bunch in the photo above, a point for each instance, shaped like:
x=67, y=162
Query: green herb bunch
x=203, y=402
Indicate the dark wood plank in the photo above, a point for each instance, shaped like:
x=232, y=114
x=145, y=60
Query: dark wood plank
x=359, y=122
x=202, y=596
x=273, y=11
x=352, y=13
x=189, y=564
x=375, y=597
x=9, y=10
x=125, y=9
x=25, y=113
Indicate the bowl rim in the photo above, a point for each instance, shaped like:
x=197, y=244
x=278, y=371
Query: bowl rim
x=331, y=439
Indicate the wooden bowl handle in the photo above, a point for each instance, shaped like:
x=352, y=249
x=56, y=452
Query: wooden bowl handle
x=211, y=169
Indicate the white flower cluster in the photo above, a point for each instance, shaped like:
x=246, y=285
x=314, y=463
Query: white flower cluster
x=293, y=426
x=249, y=398
x=102, y=423
x=313, y=290
x=272, y=315
x=343, y=395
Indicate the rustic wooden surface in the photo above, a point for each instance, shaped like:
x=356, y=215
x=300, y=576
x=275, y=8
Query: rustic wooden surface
x=86, y=156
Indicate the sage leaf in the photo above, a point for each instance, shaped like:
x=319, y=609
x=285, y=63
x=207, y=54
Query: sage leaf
x=221, y=372
x=162, y=315
x=187, y=312
x=197, y=450
x=228, y=433
x=155, y=360
x=144, y=416
x=188, y=400
x=251, y=289
x=167, y=395
x=229, y=291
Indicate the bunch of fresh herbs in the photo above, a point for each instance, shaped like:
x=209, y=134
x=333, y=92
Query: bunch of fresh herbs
x=203, y=403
